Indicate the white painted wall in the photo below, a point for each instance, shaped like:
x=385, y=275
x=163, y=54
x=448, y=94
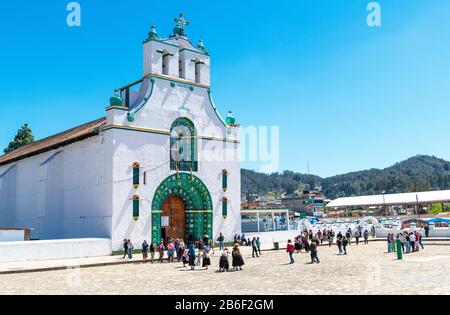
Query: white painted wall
x=54, y=249
x=64, y=193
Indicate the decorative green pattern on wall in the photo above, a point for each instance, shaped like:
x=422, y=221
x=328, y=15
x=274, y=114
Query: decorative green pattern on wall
x=196, y=198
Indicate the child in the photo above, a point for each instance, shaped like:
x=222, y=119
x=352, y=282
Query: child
x=224, y=264
x=185, y=258
x=191, y=254
x=290, y=250
x=206, y=257
x=170, y=251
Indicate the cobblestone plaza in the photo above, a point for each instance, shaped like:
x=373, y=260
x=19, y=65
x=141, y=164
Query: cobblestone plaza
x=368, y=269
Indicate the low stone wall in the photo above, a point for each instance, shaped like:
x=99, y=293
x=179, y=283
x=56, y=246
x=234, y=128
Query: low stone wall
x=54, y=249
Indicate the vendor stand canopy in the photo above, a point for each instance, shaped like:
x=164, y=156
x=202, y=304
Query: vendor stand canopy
x=427, y=197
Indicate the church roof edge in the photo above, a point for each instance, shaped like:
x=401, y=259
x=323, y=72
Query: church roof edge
x=58, y=140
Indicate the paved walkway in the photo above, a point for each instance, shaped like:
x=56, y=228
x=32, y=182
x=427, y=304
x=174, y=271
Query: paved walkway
x=62, y=264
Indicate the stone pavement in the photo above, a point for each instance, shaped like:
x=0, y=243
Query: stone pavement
x=63, y=264
x=368, y=269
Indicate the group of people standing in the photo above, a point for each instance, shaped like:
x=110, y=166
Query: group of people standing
x=409, y=241
x=195, y=255
x=309, y=242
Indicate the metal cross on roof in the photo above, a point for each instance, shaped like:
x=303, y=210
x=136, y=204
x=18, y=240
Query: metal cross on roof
x=182, y=22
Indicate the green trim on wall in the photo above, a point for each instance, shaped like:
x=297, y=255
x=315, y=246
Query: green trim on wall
x=160, y=41
x=130, y=115
x=215, y=108
x=116, y=107
x=195, y=51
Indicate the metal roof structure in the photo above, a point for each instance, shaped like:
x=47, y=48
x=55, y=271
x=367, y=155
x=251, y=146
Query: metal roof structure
x=427, y=197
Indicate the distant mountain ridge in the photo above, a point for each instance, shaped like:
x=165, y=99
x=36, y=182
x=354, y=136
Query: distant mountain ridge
x=418, y=173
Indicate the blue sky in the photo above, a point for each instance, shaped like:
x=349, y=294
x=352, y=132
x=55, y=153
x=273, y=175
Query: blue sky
x=345, y=96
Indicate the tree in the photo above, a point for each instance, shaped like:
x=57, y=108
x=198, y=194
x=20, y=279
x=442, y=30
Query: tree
x=23, y=137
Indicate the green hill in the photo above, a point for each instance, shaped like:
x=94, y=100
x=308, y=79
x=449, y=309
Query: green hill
x=419, y=173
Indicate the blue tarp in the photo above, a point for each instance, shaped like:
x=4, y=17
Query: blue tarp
x=437, y=220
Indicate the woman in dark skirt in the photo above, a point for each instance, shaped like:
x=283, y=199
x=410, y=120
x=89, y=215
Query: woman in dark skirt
x=191, y=254
x=298, y=244
x=238, y=261
x=206, y=257
x=224, y=264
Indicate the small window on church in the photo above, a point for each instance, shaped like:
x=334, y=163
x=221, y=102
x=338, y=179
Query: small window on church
x=136, y=204
x=225, y=180
x=136, y=175
x=145, y=178
x=165, y=63
x=224, y=207
x=181, y=70
x=198, y=78
x=183, y=152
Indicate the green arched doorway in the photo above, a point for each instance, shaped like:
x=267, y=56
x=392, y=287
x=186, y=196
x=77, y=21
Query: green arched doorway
x=197, y=202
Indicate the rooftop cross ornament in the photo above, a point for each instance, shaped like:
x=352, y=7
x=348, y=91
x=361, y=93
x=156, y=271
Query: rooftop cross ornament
x=181, y=24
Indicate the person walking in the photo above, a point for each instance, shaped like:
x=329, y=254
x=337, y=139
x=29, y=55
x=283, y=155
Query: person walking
x=130, y=249
x=297, y=245
x=331, y=236
x=125, y=248
x=258, y=245
x=224, y=264
x=420, y=239
x=407, y=243
x=221, y=240
x=152, y=252
x=185, y=258
x=254, y=248
x=427, y=231
x=206, y=257
x=345, y=242
x=170, y=251
x=180, y=250
x=290, y=249
x=348, y=236
x=412, y=241
x=191, y=254
x=237, y=260
x=144, y=252
x=357, y=236
x=339, y=243
x=366, y=237
x=161, y=250
x=314, y=252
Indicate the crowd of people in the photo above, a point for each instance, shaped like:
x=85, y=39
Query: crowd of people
x=409, y=241
x=196, y=254
x=309, y=242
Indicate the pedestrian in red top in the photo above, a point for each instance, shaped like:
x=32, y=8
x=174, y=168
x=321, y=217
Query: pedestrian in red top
x=290, y=249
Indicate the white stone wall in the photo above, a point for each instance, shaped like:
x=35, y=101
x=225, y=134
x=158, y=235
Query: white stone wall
x=64, y=193
x=54, y=249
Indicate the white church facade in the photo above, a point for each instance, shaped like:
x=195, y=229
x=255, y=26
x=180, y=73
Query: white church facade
x=161, y=163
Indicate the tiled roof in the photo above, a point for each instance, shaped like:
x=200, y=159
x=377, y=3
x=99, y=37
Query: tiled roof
x=56, y=141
